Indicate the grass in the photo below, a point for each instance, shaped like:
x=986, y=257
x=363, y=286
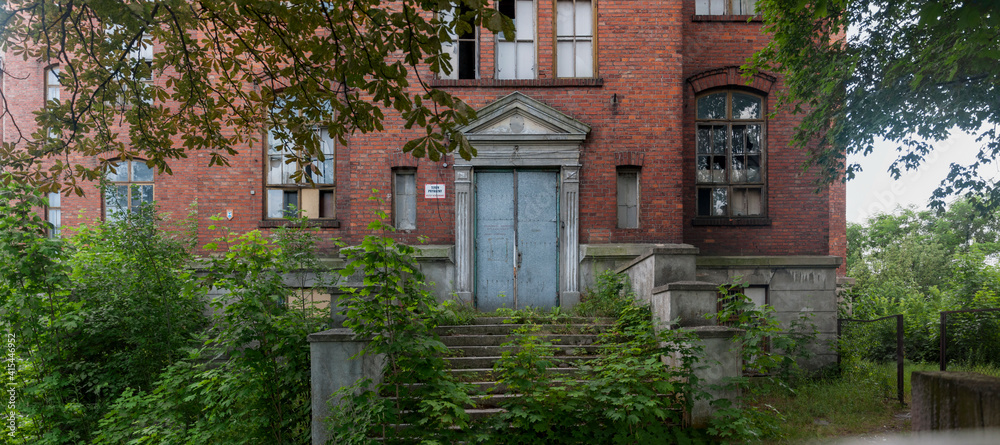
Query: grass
x=833, y=407
x=836, y=407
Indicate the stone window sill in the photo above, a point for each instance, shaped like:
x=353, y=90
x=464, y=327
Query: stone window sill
x=321, y=223
x=726, y=221
x=516, y=83
x=727, y=18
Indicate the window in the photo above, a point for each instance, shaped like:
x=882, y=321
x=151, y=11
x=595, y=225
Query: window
x=730, y=158
x=52, y=84
x=574, y=38
x=287, y=197
x=724, y=7
x=138, y=74
x=516, y=59
x=130, y=186
x=464, y=48
x=54, y=214
x=404, y=199
x=52, y=92
x=143, y=57
x=628, y=198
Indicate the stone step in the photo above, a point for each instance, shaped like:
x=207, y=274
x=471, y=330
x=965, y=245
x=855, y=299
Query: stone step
x=546, y=320
x=565, y=361
x=495, y=351
x=509, y=329
x=484, y=374
x=497, y=340
x=478, y=387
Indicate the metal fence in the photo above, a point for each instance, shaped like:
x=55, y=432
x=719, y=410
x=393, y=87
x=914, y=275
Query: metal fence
x=872, y=352
x=970, y=337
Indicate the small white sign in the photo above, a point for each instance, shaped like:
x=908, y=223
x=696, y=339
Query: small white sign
x=229, y=213
x=434, y=191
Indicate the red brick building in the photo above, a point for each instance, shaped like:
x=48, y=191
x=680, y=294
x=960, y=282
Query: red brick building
x=606, y=127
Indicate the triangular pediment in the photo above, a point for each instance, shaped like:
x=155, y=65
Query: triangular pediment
x=519, y=116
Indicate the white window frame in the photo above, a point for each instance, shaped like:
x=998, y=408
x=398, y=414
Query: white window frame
x=524, y=46
x=316, y=200
x=53, y=214
x=142, y=53
x=725, y=7
x=741, y=194
x=575, y=49
x=460, y=61
x=52, y=85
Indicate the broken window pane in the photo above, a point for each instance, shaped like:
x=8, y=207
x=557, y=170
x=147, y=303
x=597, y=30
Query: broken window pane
x=712, y=106
x=746, y=106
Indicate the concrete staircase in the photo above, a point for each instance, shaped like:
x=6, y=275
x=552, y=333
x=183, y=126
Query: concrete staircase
x=474, y=349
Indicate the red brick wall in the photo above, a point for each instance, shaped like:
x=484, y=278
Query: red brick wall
x=802, y=221
x=646, y=51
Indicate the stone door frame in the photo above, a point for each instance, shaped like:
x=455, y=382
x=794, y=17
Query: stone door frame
x=517, y=131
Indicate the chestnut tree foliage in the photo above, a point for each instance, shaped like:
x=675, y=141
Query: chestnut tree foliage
x=226, y=70
x=908, y=71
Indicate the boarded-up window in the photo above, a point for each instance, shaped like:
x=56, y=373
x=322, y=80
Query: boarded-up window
x=628, y=198
x=404, y=199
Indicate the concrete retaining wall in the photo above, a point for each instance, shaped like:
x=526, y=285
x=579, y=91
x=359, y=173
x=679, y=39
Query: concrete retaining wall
x=796, y=285
x=950, y=400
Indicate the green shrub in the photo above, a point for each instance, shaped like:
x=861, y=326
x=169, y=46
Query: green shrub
x=397, y=313
x=611, y=293
x=95, y=317
x=248, y=383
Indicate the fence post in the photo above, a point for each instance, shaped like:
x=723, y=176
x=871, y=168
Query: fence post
x=899, y=357
x=944, y=333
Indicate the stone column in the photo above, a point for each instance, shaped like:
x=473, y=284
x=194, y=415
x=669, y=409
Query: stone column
x=336, y=363
x=463, y=233
x=569, y=274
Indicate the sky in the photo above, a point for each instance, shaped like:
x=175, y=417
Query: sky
x=874, y=191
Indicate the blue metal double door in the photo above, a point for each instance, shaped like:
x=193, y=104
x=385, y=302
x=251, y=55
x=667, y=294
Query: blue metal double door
x=517, y=239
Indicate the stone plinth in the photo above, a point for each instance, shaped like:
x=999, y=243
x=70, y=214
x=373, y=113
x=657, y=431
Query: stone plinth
x=336, y=362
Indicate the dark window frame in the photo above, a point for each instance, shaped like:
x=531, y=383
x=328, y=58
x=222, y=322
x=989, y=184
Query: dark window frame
x=710, y=180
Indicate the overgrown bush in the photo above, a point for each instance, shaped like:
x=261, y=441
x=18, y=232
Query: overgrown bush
x=627, y=395
x=93, y=317
x=611, y=293
x=397, y=313
x=919, y=264
x=249, y=382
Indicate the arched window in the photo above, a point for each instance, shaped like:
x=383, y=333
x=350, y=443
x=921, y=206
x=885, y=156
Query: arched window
x=730, y=171
x=130, y=186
